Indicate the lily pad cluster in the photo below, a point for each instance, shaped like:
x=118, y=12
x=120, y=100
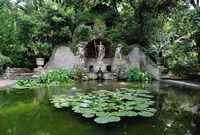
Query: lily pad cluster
x=108, y=106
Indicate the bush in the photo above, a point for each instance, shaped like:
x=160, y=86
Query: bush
x=55, y=77
x=184, y=69
x=58, y=76
x=79, y=73
x=136, y=75
x=4, y=61
x=22, y=84
x=41, y=50
x=82, y=33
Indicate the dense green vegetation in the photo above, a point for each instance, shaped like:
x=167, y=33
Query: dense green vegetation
x=133, y=74
x=166, y=29
x=137, y=75
x=4, y=61
x=52, y=78
x=108, y=106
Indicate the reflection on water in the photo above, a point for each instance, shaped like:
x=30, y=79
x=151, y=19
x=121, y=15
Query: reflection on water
x=29, y=112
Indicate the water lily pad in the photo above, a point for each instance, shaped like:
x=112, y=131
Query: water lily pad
x=145, y=114
x=103, y=114
x=57, y=105
x=107, y=119
x=108, y=106
x=84, y=105
x=125, y=113
x=152, y=110
x=64, y=104
x=145, y=95
x=128, y=108
x=131, y=114
x=140, y=107
x=143, y=91
x=88, y=115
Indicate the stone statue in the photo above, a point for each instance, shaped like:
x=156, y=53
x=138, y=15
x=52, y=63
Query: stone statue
x=81, y=53
x=118, y=52
x=101, y=52
x=119, y=63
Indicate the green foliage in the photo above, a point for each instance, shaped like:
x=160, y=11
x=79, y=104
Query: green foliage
x=183, y=59
x=113, y=34
x=55, y=77
x=58, y=76
x=41, y=49
x=107, y=106
x=136, y=75
x=145, y=22
x=8, y=28
x=4, y=61
x=79, y=73
x=25, y=84
x=186, y=68
x=82, y=33
x=73, y=47
x=159, y=44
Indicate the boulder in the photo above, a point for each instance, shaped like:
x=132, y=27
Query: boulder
x=137, y=59
x=62, y=57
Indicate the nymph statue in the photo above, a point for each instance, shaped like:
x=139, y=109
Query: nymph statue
x=101, y=52
x=81, y=53
x=118, y=52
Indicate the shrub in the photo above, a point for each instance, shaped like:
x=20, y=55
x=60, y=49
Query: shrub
x=79, y=73
x=4, y=61
x=58, y=76
x=55, y=77
x=136, y=75
x=82, y=33
x=184, y=69
x=41, y=49
x=22, y=84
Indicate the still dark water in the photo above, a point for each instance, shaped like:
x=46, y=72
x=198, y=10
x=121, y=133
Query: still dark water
x=28, y=112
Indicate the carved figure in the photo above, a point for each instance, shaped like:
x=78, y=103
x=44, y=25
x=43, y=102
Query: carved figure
x=101, y=52
x=118, y=52
x=81, y=53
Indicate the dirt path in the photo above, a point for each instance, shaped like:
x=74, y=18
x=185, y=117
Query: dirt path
x=6, y=83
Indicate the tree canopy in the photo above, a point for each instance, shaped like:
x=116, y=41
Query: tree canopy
x=164, y=28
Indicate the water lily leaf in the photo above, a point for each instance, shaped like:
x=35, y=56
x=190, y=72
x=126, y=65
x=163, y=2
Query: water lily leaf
x=88, y=115
x=143, y=91
x=98, y=109
x=57, y=105
x=140, y=107
x=129, y=108
x=149, y=102
x=108, y=106
x=125, y=113
x=103, y=114
x=64, y=104
x=145, y=95
x=78, y=110
x=130, y=103
x=130, y=114
x=89, y=111
x=145, y=114
x=84, y=105
x=151, y=110
x=104, y=120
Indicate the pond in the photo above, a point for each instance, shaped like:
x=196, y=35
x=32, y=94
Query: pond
x=28, y=112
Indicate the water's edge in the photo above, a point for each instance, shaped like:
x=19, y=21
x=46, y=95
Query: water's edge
x=183, y=83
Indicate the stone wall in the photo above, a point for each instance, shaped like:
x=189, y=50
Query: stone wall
x=137, y=59
x=92, y=62
x=62, y=57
